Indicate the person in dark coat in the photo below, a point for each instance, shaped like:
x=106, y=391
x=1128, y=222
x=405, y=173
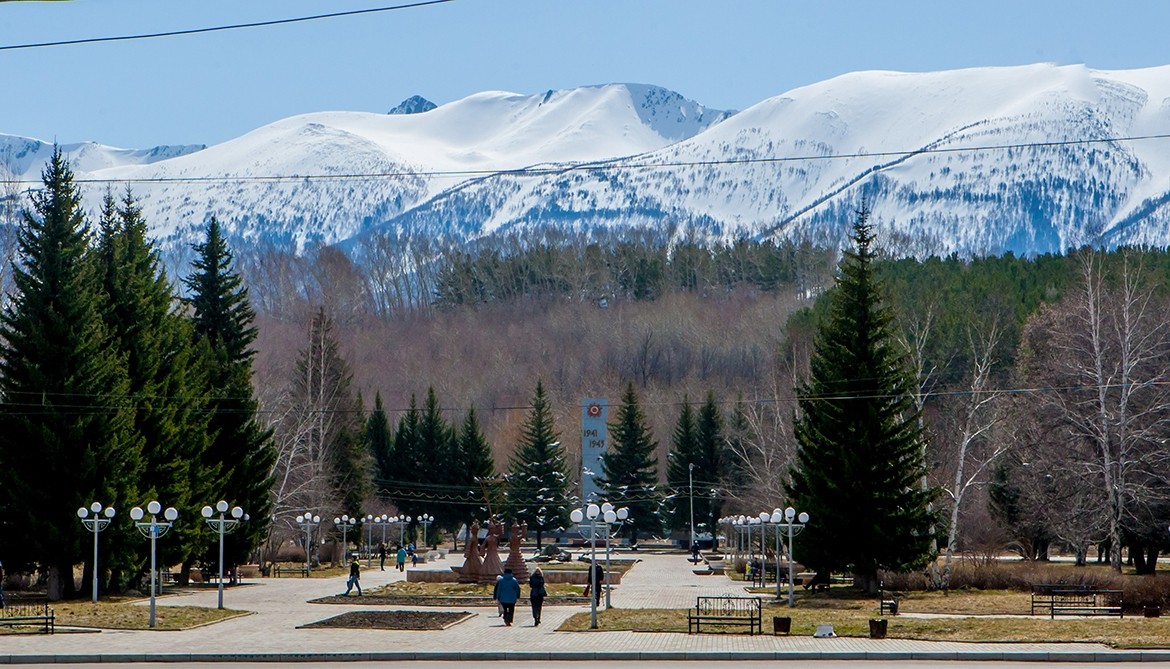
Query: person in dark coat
x=382, y=556
x=355, y=575
x=596, y=575
x=536, y=594
x=508, y=593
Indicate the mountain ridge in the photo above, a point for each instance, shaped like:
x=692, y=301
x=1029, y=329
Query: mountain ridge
x=978, y=161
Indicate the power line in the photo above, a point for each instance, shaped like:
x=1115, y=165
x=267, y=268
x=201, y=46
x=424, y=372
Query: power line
x=595, y=166
x=212, y=29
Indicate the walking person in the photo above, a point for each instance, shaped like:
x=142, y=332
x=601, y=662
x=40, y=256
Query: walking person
x=382, y=556
x=496, y=596
x=536, y=594
x=508, y=593
x=401, y=558
x=355, y=576
x=599, y=578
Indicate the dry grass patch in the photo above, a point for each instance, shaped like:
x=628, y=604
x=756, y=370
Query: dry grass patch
x=125, y=616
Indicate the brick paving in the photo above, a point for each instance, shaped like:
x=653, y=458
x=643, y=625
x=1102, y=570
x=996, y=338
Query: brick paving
x=280, y=606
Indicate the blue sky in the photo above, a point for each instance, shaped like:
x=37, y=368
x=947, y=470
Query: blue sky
x=724, y=53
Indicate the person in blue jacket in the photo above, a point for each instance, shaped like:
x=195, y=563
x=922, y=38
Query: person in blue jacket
x=508, y=593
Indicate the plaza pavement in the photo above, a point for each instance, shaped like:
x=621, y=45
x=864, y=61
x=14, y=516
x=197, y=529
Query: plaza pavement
x=659, y=581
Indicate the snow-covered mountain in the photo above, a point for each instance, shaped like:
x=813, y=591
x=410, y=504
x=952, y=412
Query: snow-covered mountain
x=1028, y=159
x=380, y=166
x=22, y=158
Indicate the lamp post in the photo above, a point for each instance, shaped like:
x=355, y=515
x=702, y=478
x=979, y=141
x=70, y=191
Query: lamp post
x=591, y=513
x=794, y=528
x=371, y=521
x=425, y=520
x=153, y=529
x=307, y=520
x=401, y=522
x=612, y=517
x=344, y=523
x=222, y=526
x=95, y=525
x=691, y=490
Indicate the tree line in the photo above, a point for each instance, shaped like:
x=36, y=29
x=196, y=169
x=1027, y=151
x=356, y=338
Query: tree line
x=113, y=389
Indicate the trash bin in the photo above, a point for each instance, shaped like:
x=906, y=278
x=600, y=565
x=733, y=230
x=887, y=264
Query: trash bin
x=1152, y=611
x=877, y=628
x=781, y=625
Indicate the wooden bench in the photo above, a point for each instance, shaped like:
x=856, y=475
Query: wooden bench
x=28, y=613
x=1076, y=600
x=278, y=571
x=726, y=611
x=887, y=603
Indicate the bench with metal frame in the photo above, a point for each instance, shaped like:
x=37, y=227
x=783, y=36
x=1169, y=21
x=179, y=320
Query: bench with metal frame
x=28, y=613
x=278, y=571
x=1076, y=600
x=726, y=611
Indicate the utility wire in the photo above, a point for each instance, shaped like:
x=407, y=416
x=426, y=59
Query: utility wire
x=594, y=166
x=234, y=26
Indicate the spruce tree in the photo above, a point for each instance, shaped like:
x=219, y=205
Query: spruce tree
x=537, y=481
x=400, y=477
x=475, y=465
x=710, y=466
x=436, y=455
x=379, y=441
x=859, y=461
x=241, y=452
x=170, y=420
x=629, y=469
x=679, y=465
x=65, y=431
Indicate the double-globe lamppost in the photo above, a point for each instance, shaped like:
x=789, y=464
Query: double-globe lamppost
x=222, y=526
x=425, y=520
x=612, y=517
x=792, y=521
x=307, y=520
x=345, y=524
x=579, y=517
x=401, y=522
x=153, y=529
x=96, y=524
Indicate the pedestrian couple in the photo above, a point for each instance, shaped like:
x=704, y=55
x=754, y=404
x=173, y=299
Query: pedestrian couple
x=507, y=593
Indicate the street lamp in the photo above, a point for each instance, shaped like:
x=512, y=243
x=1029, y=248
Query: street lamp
x=153, y=529
x=612, y=517
x=370, y=521
x=95, y=525
x=307, y=521
x=425, y=520
x=401, y=522
x=691, y=489
x=344, y=523
x=786, y=519
x=222, y=526
x=591, y=513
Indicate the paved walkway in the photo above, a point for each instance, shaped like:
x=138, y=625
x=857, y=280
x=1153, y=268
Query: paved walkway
x=280, y=607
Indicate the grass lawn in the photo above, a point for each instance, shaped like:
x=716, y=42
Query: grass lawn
x=849, y=612
x=121, y=614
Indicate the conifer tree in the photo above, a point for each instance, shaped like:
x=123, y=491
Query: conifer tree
x=680, y=462
x=379, y=441
x=65, y=430
x=475, y=466
x=710, y=466
x=859, y=457
x=436, y=455
x=400, y=476
x=537, y=481
x=156, y=341
x=241, y=452
x=629, y=469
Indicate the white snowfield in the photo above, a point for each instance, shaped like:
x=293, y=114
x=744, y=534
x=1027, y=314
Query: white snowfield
x=792, y=166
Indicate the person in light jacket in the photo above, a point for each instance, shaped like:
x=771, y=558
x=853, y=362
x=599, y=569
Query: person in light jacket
x=508, y=593
x=536, y=594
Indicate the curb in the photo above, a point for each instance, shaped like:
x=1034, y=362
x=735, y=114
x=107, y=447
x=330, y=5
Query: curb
x=605, y=656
